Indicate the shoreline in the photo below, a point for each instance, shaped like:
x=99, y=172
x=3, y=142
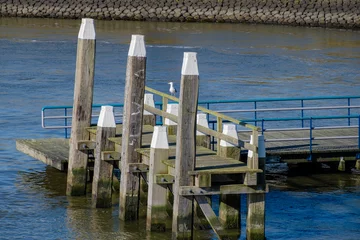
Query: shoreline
x=343, y=14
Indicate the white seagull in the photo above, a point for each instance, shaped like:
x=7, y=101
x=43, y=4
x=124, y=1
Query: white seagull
x=172, y=90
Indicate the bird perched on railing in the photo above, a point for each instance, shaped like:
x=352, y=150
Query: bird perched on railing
x=172, y=90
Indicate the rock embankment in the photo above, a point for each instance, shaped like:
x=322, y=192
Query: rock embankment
x=323, y=13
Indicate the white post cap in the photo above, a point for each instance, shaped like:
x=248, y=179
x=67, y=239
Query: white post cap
x=87, y=29
x=106, y=118
x=261, y=147
x=229, y=129
x=172, y=108
x=250, y=153
x=159, y=138
x=137, y=46
x=202, y=121
x=189, y=66
x=149, y=100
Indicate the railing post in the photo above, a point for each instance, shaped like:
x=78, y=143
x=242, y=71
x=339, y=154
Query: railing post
x=149, y=118
x=349, y=111
x=255, y=112
x=185, y=147
x=311, y=138
x=252, y=161
x=219, y=128
x=255, y=221
x=164, y=108
x=132, y=127
x=81, y=116
x=103, y=171
x=157, y=195
x=65, y=122
x=302, y=113
x=201, y=138
x=359, y=132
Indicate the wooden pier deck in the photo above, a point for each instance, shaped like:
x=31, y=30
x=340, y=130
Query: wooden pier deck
x=322, y=150
x=54, y=151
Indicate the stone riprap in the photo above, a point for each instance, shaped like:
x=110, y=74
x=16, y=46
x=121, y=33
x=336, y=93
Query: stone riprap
x=324, y=13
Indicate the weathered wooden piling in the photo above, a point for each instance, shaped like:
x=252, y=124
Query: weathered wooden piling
x=341, y=166
x=157, y=195
x=201, y=138
x=357, y=165
x=185, y=147
x=149, y=118
x=255, y=221
x=103, y=170
x=132, y=127
x=229, y=206
x=82, y=108
x=172, y=108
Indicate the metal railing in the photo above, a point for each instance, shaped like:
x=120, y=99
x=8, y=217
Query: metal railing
x=297, y=114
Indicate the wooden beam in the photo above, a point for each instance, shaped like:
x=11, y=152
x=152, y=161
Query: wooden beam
x=211, y=217
x=110, y=156
x=205, y=130
x=82, y=108
x=132, y=128
x=138, y=168
x=164, y=179
x=86, y=145
x=185, y=147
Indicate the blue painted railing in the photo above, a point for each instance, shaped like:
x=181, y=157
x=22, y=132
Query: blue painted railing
x=339, y=110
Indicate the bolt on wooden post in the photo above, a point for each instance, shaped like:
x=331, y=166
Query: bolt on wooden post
x=255, y=221
x=185, y=146
x=103, y=170
x=157, y=194
x=132, y=127
x=82, y=109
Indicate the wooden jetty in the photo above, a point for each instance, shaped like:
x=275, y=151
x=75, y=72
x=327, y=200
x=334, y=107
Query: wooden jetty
x=174, y=160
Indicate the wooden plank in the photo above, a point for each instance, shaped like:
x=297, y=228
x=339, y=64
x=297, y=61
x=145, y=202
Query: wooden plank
x=51, y=151
x=234, y=189
x=82, y=108
x=210, y=216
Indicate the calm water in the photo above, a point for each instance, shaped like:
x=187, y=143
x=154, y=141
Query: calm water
x=37, y=61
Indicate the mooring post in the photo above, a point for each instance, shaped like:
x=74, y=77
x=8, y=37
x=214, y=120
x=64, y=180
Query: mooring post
x=341, y=166
x=229, y=206
x=157, y=194
x=103, y=171
x=82, y=108
x=185, y=146
x=172, y=108
x=132, y=127
x=201, y=138
x=149, y=118
x=255, y=221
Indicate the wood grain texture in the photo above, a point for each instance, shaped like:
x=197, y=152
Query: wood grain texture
x=185, y=155
x=81, y=116
x=131, y=136
x=103, y=171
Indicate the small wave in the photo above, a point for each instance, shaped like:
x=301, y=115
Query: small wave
x=24, y=40
x=170, y=46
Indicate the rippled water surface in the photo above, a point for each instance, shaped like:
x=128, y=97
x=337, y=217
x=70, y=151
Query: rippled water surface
x=37, y=62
